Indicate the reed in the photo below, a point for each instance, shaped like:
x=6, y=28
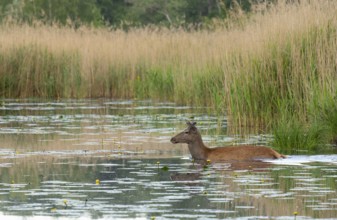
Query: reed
x=295, y=137
x=324, y=115
x=32, y=71
x=279, y=58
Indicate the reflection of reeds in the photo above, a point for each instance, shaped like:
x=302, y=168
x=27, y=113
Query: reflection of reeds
x=281, y=192
x=31, y=144
x=68, y=182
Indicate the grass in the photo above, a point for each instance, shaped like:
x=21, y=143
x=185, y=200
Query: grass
x=325, y=116
x=293, y=137
x=276, y=61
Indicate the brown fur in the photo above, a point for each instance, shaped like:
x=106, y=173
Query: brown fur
x=200, y=151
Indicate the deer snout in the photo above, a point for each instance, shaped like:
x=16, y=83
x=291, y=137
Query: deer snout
x=174, y=140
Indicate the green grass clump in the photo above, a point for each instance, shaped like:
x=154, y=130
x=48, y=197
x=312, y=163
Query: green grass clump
x=326, y=116
x=294, y=137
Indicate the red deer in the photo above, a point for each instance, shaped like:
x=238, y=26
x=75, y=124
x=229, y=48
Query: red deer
x=200, y=152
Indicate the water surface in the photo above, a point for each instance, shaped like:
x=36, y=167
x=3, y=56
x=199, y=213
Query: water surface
x=107, y=159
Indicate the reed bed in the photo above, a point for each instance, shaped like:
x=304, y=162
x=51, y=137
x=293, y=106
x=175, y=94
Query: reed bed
x=279, y=60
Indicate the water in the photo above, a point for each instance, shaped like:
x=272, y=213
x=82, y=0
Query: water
x=106, y=159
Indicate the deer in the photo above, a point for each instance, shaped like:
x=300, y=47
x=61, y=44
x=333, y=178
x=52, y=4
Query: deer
x=201, y=153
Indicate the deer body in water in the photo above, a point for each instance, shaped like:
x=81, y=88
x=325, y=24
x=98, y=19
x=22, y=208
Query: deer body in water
x=199, y=151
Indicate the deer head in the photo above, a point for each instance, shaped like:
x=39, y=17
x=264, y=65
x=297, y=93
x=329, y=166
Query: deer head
x=189, y=135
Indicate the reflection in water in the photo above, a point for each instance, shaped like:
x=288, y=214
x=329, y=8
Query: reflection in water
x=130, y=188
x=99, y=159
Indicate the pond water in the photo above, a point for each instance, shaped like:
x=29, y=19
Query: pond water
x=107, y=159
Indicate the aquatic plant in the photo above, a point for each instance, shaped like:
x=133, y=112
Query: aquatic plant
x=295, y=137
x=325, y=115
x=165, y=168
x=295, y=214
x=65, y=202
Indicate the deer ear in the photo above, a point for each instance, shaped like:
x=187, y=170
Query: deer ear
x=191, y=126
x=193, y=123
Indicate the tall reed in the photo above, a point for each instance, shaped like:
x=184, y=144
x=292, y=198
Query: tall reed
x=279, y=59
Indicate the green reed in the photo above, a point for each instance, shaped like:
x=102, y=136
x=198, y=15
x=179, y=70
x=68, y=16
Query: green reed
x=294, y=137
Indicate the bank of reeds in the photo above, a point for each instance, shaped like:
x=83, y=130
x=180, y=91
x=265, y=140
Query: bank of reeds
x=280, y=60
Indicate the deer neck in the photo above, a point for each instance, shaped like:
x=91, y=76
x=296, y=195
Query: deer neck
x=198, y=149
